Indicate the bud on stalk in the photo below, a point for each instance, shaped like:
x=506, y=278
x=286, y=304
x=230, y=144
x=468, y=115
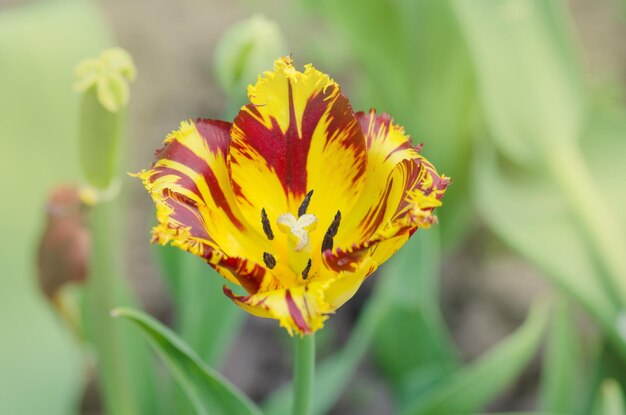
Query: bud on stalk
x=104, y=84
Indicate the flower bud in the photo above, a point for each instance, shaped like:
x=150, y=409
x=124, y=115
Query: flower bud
x=104, y=84
x=65, y=244
x=245, y=50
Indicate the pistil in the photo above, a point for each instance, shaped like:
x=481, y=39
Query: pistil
x=297, y=229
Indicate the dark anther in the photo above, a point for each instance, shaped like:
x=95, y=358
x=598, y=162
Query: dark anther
x=267, y=228
x=269, y=260
x=305, y=272
x=305, y=204
x=331, y=232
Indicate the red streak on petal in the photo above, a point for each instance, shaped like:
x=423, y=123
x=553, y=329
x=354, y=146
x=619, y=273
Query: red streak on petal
x=216, y=134
x=347, y=260
x=296, y=314
x=230, y=294
x=249, y=278
x=180, y=153
x=374, y=218
x=287, y=152
x=183, y=180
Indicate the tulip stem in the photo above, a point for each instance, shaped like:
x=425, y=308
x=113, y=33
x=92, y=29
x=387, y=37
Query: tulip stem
x=104, y=332
x=304, y=372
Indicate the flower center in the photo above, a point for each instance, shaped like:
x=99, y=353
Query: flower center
x=296, y=254
x=297, y=229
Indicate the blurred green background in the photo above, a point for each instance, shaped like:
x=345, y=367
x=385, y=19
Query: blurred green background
x=519, y=101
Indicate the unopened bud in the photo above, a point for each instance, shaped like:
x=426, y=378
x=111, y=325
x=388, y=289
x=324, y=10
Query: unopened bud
x=104, y=84
x=245, y=50
x=65, y=244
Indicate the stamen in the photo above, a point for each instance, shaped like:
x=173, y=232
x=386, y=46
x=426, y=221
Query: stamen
x=305, y=272
x=269, y=260
x=305, y=204
x=331, y=233
x=267, y=228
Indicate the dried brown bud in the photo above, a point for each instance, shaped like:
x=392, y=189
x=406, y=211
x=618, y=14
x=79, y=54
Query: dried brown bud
x=65, y=244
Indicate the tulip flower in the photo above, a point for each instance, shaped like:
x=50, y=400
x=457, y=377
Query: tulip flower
x=297, y=201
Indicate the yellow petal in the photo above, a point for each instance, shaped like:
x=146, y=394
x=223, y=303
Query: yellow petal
x=344, y=285
x=400, y=193
x=300, y=310
x=297, y=131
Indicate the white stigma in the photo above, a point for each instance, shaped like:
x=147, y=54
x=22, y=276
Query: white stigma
x=298, y=228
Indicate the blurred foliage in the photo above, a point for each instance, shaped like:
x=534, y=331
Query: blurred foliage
x=610, y=399
x=562, y=380
x=472, y=387
x=39, y=45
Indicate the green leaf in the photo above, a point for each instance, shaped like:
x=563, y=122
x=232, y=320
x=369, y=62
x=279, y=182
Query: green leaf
x=421, y=380
x=610, y=399
x=414, y=332
x=542, y=230
x=475, y=385
x=536, y=117
x=544, y=227
x=604, y=144
x=209, y=392
x=561, y=374
x=608, y=363
x=198, y=295
x=442, y=107
x=529, y=76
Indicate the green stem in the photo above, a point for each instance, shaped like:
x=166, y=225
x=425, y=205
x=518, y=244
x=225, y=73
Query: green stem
x=100, y=299
x=574, y=177
x=304, y=372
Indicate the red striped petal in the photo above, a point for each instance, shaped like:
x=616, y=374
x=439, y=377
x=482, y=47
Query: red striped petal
x=299, y=309
x=196, y=210
x=401, y=191
x=297, y=132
